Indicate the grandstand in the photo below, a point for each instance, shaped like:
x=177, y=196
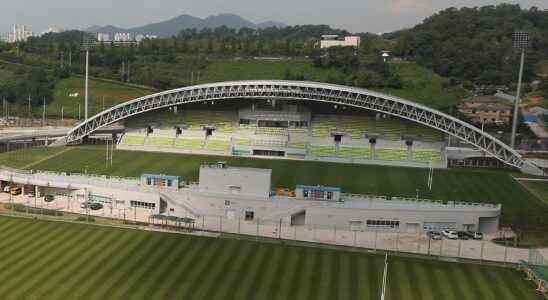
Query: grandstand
x=288, y=130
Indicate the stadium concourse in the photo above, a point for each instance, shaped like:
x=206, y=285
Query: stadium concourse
x=293, y=131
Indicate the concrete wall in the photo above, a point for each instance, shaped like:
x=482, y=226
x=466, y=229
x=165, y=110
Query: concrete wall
x=410, y=220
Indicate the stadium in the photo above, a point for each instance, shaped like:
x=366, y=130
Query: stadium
x=240, y=142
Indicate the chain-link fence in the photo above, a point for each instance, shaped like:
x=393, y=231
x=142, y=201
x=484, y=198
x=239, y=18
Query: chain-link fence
x=67, y=209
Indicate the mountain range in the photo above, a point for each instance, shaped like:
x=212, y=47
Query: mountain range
x=172, y=26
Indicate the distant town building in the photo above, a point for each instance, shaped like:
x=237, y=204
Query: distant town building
x=140, y=37
x=4, y=37
x=329, y=41
x=122, y=37
x=490, y=110
x=20, y=33
x=51, y=30
x=103, y=37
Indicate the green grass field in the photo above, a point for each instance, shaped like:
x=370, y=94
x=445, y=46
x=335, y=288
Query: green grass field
x=50, y=260
x=521, y=208
x=424, y=86
x=112, y=93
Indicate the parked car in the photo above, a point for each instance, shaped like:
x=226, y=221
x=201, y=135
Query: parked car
x=462, y=235
x=434, y=235
x=49, y=198
x=95, y=206
x=450, y=234
x=84, y=204
x=475, y=235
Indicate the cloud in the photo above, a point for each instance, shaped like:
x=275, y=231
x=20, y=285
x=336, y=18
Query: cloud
x=411, y=6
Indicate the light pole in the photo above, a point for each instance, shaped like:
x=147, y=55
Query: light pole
x=520, y=41
x=86, y=45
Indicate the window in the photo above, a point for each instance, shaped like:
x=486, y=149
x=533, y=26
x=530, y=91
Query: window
x=227, y=202
x=149, y=181
x=389, y=224
x=169, y=182
x=140, y=204
x=249, y=215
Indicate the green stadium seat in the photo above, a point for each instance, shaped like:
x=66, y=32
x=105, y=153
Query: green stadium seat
x=391, y=154
x=189, y=144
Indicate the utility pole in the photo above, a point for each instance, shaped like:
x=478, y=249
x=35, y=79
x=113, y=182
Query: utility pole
x=44, y=111
x=29, y=111
x=62, y=112
x=521, y=42
x=87, y=86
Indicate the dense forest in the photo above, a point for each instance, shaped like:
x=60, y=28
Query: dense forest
x=155, y=62
x=475, y=44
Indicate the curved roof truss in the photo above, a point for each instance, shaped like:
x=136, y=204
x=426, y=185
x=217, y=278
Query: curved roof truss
x=309, y=91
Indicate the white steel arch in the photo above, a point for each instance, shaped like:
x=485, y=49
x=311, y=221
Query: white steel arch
x=309, y=91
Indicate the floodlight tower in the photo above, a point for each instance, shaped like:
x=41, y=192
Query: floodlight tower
x=520, y=42
x=86, y=45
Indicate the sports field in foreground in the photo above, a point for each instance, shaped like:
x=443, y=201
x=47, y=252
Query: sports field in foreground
x=50, y=260
x=521, y=208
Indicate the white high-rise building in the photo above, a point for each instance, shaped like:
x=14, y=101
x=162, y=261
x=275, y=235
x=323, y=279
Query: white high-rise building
x=103, y=37
x=122, y=37
x=20, y=33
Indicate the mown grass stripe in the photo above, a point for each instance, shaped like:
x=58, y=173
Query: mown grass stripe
x=127, y=272
x=268, y=278
x=437, y=275
x=195, y=274
x=233, y=276
x=316, y=268
x=297, y=278
x=326, y=274
x=164, y=266
x=398, y=282
x=27, y=249
x=422, y=281
x=285, y=274
x=344, y=277
x=455, y=273
x=494, y=276
x=75, y=274
x=7, y=226
x=475, y=281
x=52, y=263
x=177, y=275
x=334, y=283
x=211, y=275
x=353, y=276
x=248, y=288
x=368, y=277
x=118, y=259
x=242, y=274
x=27, y=263
x=150, y=264
x=21, y=238
x=95, y=266
x=12, y=233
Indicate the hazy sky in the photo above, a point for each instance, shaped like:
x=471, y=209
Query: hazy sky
x=354, y=15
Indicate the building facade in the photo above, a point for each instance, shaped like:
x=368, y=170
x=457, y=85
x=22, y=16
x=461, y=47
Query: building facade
x=329, y=41
x=487, y=110
x=20, y=33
